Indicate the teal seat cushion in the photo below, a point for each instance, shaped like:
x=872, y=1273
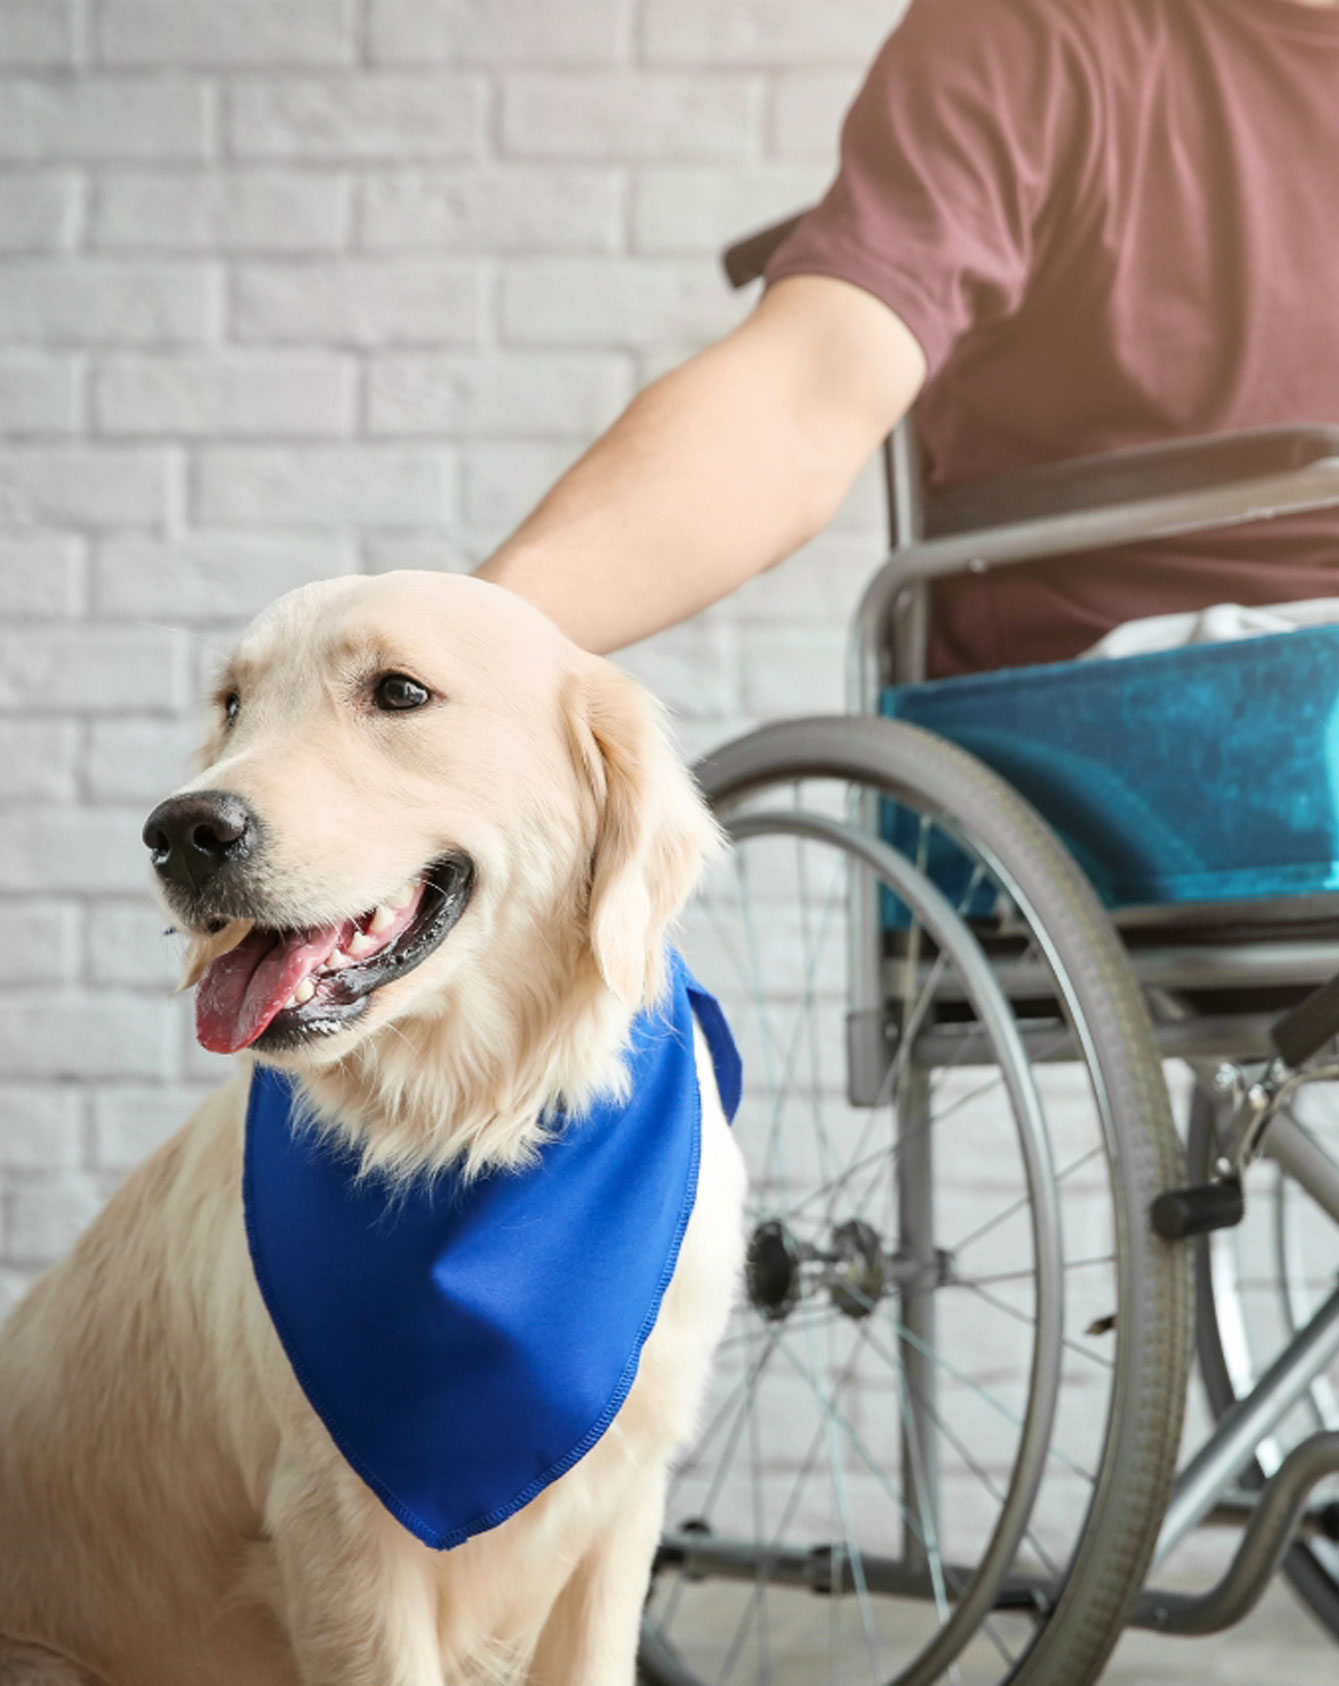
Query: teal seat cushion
x=1205, y=774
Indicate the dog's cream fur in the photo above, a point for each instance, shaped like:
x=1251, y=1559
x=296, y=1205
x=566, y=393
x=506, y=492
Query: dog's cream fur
x=172, y=1513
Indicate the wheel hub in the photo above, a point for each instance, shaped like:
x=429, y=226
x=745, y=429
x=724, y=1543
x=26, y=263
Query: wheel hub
x=854, y=1268
x=772, y=1270
x=857, y=1274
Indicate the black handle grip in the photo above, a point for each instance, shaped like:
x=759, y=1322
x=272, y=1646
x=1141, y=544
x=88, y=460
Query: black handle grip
x=1182, y=1212
x=746, y=260
x=1312, y=1023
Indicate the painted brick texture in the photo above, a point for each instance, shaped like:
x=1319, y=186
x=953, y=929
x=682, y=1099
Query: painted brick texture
x=293, y=289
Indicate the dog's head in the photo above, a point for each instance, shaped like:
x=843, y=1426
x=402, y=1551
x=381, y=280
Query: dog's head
x=430, y=832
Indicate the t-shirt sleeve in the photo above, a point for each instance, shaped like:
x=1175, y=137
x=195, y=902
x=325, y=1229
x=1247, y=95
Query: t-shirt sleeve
x=973, y=116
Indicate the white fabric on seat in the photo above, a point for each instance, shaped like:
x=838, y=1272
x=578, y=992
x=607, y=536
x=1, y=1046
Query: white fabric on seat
x=1220, y=624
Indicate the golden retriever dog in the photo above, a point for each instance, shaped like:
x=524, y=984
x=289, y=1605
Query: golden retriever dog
x=462, y=841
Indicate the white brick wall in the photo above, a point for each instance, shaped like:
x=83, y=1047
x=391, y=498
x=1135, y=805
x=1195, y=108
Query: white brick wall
x=82, y=115
x=290, y=289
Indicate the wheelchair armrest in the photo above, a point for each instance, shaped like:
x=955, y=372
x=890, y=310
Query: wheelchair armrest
x=1088, y=504
x=746, y=259
x=1143, y=475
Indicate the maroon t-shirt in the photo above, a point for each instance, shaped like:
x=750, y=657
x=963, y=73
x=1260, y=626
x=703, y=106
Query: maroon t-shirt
x=1107, y=222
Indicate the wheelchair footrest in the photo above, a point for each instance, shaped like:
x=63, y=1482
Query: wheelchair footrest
x=1199, y=1208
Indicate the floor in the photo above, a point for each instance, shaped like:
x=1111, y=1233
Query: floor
x=1279, y=1642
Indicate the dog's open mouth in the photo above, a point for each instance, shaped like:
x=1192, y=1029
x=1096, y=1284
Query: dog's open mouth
x=277, y=988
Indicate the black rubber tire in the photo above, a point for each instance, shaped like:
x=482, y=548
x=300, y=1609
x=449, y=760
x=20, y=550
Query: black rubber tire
x=1154, y=1333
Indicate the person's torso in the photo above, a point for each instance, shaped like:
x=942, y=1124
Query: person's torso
x=1181, y=286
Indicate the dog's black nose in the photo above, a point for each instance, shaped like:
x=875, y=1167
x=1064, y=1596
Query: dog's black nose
x=191, y=837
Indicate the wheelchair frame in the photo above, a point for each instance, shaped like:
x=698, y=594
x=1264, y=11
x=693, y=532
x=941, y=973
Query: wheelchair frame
x=1150, y=492
x=1065, y=509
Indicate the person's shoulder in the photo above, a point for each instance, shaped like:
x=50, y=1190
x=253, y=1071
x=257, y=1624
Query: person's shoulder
x=1100, y=26
x=1004, y=37
x=1034, y=26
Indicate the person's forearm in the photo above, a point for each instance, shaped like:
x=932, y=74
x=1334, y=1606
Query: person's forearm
x=694, y=489
x=713, y=474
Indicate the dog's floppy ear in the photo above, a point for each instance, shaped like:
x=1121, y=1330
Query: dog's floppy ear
x=653, y=832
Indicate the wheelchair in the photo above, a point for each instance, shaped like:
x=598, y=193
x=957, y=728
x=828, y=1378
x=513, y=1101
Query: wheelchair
x=981, y=942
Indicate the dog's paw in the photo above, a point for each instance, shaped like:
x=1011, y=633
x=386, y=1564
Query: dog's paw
x=30, y=1665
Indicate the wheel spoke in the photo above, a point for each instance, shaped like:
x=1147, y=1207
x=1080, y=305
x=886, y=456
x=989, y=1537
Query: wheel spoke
x=1031, y=1322
x=928, y=1539
x=975, y=1235
x=839, y=1495
x=1020, y=1275
x=956, y=1474
x=775, y=1542
x=988, y=1398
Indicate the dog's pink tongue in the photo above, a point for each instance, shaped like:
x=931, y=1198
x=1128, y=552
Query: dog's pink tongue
x=243, y=989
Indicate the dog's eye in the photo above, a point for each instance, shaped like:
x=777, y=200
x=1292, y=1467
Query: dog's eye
x=399, y=691
x=231, y=703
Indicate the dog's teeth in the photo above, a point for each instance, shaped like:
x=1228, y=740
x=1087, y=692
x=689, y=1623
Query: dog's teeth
x=339, y=958
x=382, y=918
x=402, y=898
x=361, y=944
x=303, y=993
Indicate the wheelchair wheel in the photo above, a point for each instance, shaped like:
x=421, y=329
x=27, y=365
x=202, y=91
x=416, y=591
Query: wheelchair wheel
x=1256, y=1285
x=947, y=1410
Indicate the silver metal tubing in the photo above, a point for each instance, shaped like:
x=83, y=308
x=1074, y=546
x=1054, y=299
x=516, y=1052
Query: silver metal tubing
x=871, y=657
x=1273, y=1521
x=916, y=1312
x=902, y=468
x=1070, y=532
x=1225, y=1454
x=1305, y=1161
x=868, y=665
x=1237, y=1509
x=870, y=651
x=1235, y=965
x=909, y=633
x=826, y=1570
x=1241, y=1036
x=1197, y=967
x=1244, y=1036
x=864, y=951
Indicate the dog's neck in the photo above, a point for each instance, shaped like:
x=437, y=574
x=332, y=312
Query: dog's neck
x=468, y=1089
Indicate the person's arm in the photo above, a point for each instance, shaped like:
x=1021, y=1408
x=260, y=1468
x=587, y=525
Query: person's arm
x=718, y=470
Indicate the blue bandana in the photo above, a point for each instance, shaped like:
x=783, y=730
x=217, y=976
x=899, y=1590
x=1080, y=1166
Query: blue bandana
x=466, y=1344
